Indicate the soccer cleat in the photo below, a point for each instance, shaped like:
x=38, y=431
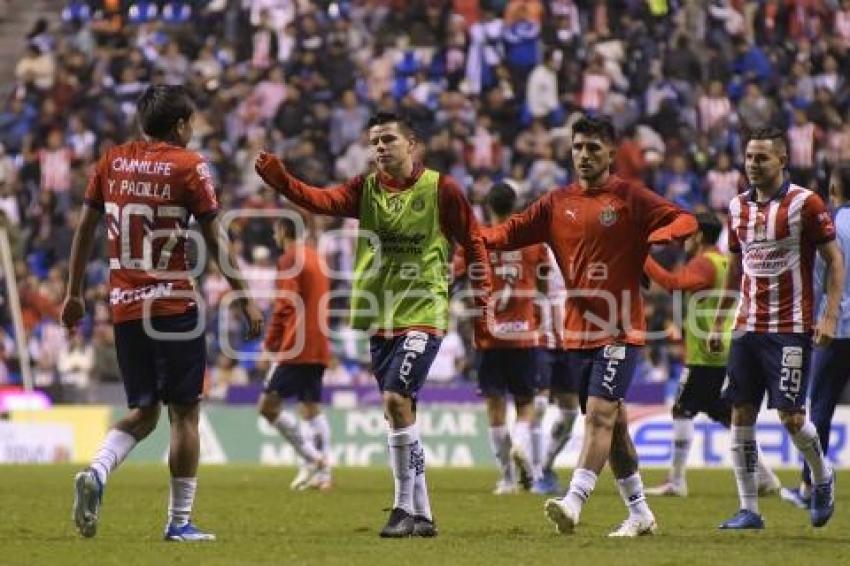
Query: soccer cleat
x=547, y=485
x=424, y=527
x=506, y=487
x=668, y=489
x=301, y=479
x=635, y=527
x=743, y=519
x=321, y=481
x=88, y=493
x=523, y=466
x=564, y=517
x=795, y=497
x=186, y=533
x=823, y=502
x=399, y=525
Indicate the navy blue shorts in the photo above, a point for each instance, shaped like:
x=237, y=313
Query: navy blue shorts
x=776, y=363
x=401, y=363
x=700, y=391
x=156, y=370
x=302, y=381
x=553, y=372
x=605, y=372
x=507, y=370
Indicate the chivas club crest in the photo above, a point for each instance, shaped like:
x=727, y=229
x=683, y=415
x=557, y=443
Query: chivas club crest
x=394, y=204
x=608, y=216
x=418, y=204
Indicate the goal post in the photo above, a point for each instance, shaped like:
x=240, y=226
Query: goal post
x=15, y=309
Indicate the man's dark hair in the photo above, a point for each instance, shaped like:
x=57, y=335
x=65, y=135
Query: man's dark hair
x=600, y=126
x=160, y=108
x=381, y=118
x=776, y=135
x=843, y=174
x=291, y=229
x=710, y=226
x=501, y=199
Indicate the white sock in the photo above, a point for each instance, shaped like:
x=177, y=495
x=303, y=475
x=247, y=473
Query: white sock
x=182, y=498
x=500, y=444
x=321, y=430
x=560, y=434
x=401, y=444
x=744, y=460
x=683, y=436
x=581, y=486
x=631, y=490
x=421, y=502
x=522, y=439
x=115, y=447
x=289, y=427
x=764, y=475
x=807, y=442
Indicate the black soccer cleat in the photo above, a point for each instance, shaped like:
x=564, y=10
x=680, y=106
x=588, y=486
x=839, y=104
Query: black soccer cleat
x=399, y=525
x=424, y=527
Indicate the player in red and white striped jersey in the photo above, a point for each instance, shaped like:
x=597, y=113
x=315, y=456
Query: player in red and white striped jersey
x=774, y=230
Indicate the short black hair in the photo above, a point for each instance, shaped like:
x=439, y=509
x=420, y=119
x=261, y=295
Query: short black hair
x=501, y=199
x=843, y=174
x=710, y=226
x=160, y=108
x=291, y=229
x=776, y=135
x=381, y=118
x=598, y=126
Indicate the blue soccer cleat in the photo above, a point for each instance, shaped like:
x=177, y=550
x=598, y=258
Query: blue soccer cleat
x=823, y=502
x=186, y=533
x=743, y=519
x=88, y=493
x=795, y=497
x=547, y=485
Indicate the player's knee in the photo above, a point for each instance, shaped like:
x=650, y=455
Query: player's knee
x=600, y=418
x=792, y=422
x=397, y=407
x=143, y=421
x=541, y=403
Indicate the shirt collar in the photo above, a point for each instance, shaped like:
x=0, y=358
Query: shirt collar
x=783, y=190
x=391, y=183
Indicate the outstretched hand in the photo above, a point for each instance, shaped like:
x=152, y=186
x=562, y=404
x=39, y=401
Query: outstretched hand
x=270, y=169
x=253, y=319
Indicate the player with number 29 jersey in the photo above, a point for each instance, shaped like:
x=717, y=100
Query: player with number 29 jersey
x=148, y=190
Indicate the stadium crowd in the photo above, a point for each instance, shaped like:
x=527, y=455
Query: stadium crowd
x=491, y=86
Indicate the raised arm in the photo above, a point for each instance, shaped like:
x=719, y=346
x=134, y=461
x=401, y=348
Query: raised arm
x=340, y=200
x=522, y=229
x=696, y=275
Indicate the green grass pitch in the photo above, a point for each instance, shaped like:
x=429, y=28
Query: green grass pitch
x=260, y=521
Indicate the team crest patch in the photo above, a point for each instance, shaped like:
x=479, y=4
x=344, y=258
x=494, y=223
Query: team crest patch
x=394, y=204
x=608, y=216
x=418, y=204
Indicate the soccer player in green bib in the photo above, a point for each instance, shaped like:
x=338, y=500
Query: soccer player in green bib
x=702, y=380
x=409, y=218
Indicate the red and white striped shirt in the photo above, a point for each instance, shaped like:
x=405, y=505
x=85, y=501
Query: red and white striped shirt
x=802, y=142
x=55, y=169
x=594, y=90
x=777, y=241
x=842, y=26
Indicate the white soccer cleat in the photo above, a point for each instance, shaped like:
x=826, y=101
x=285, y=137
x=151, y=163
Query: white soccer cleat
x=300, y=481
x=564, y=517
x=668, y=489
x=635, y=527
x=321, y=481
x=506, y=487
x=88, y=493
